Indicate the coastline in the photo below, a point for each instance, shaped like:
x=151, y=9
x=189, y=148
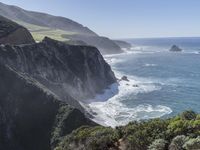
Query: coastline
x=108, y=108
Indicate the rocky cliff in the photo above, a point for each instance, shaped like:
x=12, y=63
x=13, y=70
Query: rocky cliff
x=76, y=71
x=31, y=116
x=41, y=86
x=12, y=33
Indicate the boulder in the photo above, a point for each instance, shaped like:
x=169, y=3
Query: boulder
x=125, y=78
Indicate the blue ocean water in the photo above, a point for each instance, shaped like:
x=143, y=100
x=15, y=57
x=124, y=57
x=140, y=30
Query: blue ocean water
x=168, y=82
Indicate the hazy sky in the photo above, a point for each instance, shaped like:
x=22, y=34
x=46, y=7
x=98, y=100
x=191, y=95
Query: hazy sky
x=125, y=18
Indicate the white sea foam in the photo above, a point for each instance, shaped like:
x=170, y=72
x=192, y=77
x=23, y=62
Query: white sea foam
x=113, y=112
x=108, y=108
x=192, y=52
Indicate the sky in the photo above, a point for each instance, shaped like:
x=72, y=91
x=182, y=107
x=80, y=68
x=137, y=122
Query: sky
x=125, y=18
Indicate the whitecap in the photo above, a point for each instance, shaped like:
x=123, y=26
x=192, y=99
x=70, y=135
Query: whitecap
x=150, y=65
x=192, y=52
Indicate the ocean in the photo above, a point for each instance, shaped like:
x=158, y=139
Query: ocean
x=161, y=83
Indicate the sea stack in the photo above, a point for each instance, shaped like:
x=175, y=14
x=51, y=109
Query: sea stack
x=175, y=48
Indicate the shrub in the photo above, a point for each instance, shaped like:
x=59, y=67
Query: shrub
x=156, y=134
x=192, y=144
x=188, y=115
x=178, y=142
x=91, y=138
x=159, y=144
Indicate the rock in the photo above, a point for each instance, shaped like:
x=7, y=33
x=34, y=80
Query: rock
x=135, y=85
x=12, y=33
x=175, y=48
x=125, y=78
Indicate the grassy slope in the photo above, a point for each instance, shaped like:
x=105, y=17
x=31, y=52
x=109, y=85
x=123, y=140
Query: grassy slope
x=39, y=32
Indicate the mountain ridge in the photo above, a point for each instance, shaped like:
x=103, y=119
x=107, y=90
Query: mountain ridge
x=39, y=18
x=66, y=27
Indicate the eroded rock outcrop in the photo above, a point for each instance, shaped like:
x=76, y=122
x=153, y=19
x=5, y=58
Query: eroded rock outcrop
x=12, y=33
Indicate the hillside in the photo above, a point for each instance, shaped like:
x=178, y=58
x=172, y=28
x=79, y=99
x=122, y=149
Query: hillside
x=42, y=19
x=58, y=28
x=31, y=116
x=178, y=133
x=41, y=86
x=106, y=45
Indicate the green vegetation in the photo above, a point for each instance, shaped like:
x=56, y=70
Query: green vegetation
x=39, y=32
x=92, y=138
x=181, y=132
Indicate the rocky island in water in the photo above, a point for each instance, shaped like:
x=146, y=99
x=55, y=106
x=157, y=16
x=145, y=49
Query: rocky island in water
x=175, y=48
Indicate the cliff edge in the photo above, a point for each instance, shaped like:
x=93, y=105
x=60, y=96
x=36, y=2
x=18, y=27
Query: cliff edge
x=12, y=33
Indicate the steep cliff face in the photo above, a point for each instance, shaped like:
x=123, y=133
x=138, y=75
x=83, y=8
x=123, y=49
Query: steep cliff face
x=76, y=71
x=12, y=33
x=31, y=116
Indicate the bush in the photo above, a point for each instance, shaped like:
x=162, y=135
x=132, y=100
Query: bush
x=158, y=144
x=141, y=135
x=188, y=115
x=91, y=138
x=192, y=144
x=178, y=142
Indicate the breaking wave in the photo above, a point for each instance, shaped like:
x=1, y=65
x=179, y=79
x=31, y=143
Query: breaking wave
x=109, y=109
